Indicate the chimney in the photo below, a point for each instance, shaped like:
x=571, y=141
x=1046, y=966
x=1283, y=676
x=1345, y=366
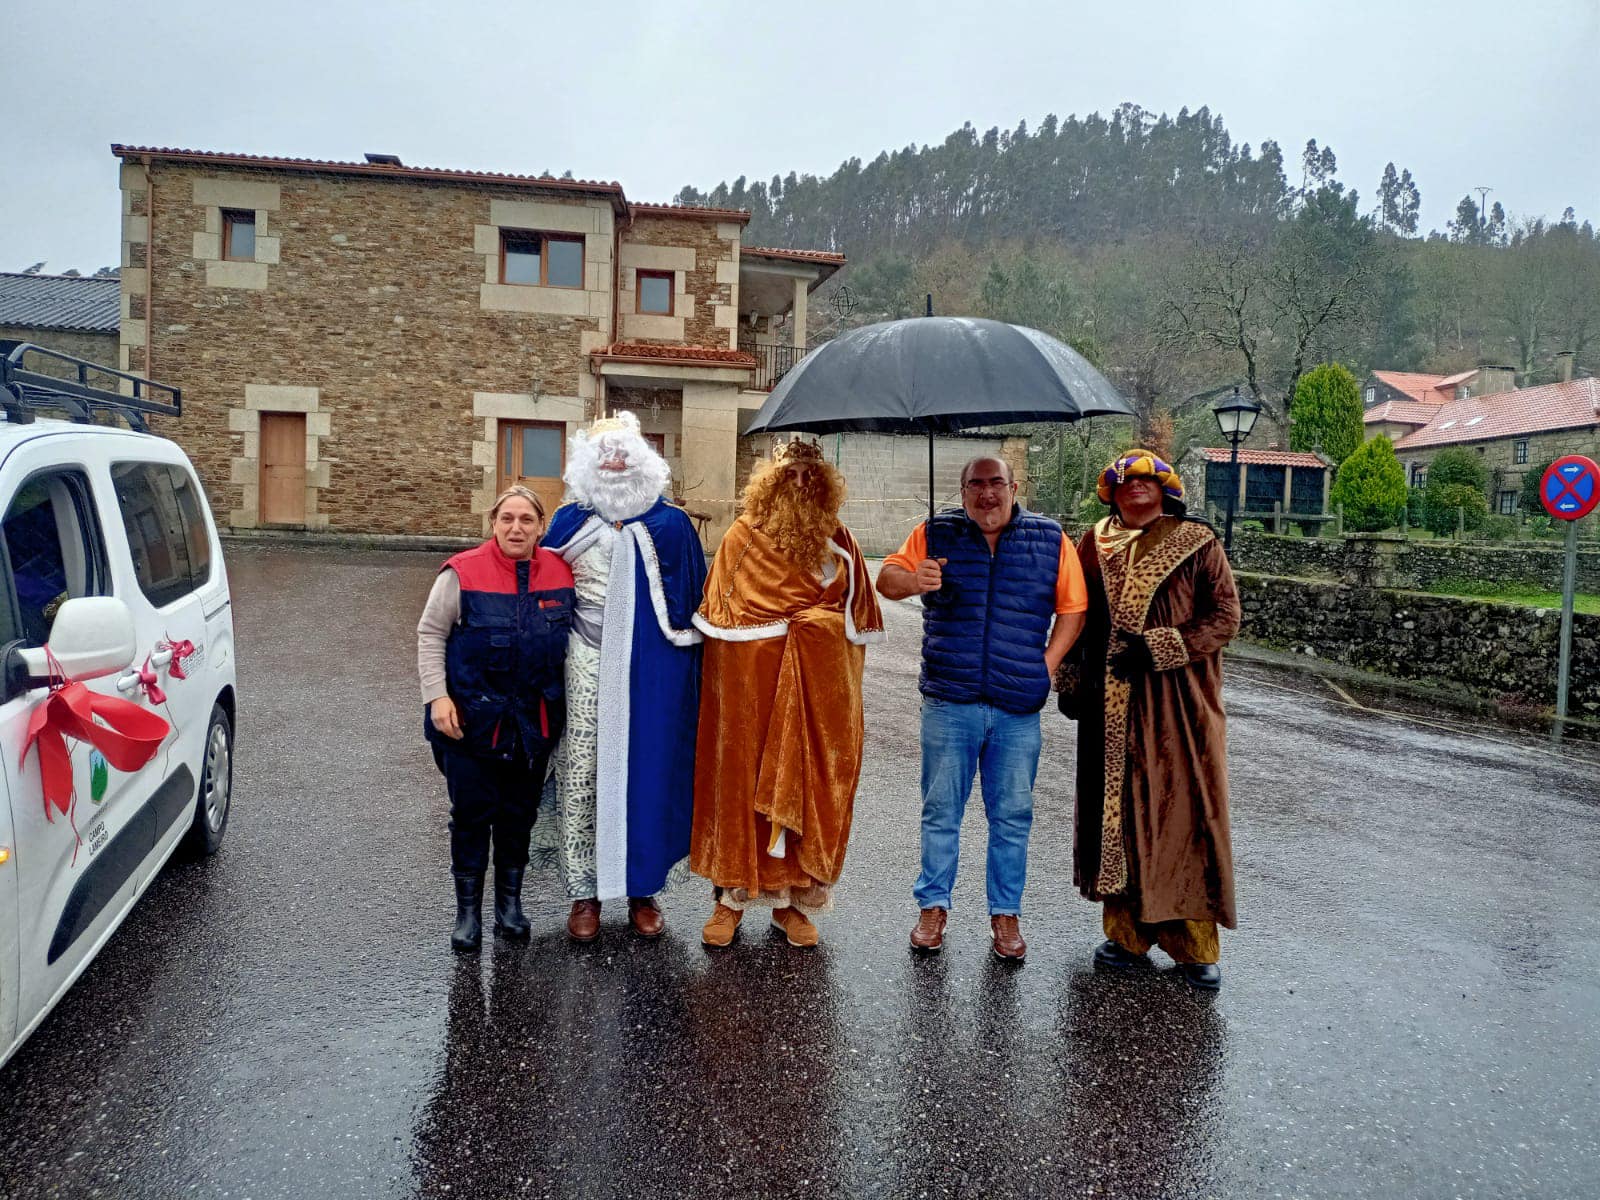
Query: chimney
x=1564, y=367
x=1493, y=380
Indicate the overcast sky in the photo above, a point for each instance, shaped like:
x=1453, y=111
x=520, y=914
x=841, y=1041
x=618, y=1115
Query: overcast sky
x=1465, y=93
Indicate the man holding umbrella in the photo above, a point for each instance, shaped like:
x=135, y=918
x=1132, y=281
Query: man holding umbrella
x=1003, y=600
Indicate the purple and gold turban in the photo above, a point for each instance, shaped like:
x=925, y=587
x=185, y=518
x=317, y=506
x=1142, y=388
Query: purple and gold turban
x=1140, y=464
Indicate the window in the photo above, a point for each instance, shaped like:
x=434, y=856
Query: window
x=1419, y=477
x=655, y=293
x=54, y=550
x=656, y=442
x=238, y=235
x=166, y=528
x=1519, y=452
x=1464, y=393
x=1508, y=503
x=1372, y=395
x=541, y=259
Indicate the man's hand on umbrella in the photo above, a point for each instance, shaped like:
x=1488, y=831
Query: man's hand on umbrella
x=930, y=574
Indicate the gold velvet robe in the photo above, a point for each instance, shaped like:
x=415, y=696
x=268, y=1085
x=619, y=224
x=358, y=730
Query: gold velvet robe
x=1152, y=812
x=779, y=749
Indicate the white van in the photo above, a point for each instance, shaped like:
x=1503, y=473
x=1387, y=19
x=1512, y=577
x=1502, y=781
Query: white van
x=108, y=555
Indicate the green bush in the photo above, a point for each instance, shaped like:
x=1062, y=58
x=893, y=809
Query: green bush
x=1455, y=465
x=1532, y=477
x=1540, y=525
x=1091, y=510
x=1327, y=412
x=1251, y=527
x=1371, y=485
x=1496, y=528
x=1414, y=507
x=1441, y=502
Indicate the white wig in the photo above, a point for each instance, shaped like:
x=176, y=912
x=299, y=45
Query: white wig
x=615, y=495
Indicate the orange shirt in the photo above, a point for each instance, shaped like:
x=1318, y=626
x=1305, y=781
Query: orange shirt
x=1071, y=594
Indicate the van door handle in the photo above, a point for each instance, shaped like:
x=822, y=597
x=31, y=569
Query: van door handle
x=161, y=658
x=128, y=682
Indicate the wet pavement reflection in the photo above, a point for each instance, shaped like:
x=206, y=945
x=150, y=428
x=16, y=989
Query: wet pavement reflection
x=1409, y=1006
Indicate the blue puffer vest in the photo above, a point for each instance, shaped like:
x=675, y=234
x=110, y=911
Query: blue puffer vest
x=984, y=631
x=505, y=659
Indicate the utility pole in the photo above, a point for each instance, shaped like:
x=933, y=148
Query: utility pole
x=1483, y=210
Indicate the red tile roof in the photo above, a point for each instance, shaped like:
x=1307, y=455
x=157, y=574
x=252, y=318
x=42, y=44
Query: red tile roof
x=1450, y=381
x=809, y=256
x=1574, y=405
x=1264, y=458
x=1401, y=412
x=740, y=215
x=697, y=355
x=317, y=166
x=1412, y=383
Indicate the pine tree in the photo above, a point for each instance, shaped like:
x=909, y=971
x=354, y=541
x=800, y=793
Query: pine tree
x=1327, y=412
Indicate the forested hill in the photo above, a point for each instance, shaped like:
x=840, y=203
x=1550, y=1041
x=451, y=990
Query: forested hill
x=1083, y=180
x=1179, y=260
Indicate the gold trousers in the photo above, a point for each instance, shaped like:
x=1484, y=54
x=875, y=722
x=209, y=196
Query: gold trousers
x=1185, y=941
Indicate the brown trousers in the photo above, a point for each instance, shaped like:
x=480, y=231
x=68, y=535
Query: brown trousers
x=1185, y=941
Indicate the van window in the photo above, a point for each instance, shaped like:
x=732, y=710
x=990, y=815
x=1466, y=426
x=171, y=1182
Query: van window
x=54, y=550
x=192, y=511
x=159, y=530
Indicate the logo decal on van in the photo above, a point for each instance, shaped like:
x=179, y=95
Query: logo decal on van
x=99, y=775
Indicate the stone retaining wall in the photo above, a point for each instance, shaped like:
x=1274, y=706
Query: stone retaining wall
x=1415, y=564
x=1502, y=651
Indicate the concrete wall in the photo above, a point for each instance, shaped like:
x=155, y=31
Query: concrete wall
x=1501, y=651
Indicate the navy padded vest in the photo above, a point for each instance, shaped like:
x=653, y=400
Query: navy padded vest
x=505, y=659
x=984, y=631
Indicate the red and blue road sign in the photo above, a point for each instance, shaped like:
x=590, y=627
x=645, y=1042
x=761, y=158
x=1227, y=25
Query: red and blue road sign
x=1570, y=488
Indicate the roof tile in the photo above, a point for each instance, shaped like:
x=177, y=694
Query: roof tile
x=1401, y=412
x=1264, y=458
x=86, y=303
x=647, y=350
x=1573, y=405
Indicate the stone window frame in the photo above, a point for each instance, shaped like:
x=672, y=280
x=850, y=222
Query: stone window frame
x=215, y=197
x=1519, y=453
x=232, y=218
x=670, y=278
x=545, y=237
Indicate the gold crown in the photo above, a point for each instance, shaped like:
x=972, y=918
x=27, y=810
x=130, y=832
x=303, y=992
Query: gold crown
x=796, y=451
x=622, y=422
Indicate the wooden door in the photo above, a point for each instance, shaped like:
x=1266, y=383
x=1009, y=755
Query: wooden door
x=534, y=453
x=283, y=469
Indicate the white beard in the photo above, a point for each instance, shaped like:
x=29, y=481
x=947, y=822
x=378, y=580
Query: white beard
x=616, y=495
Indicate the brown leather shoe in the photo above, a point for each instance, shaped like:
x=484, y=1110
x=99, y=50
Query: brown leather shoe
x=723, y=925
x=1008, y=943
x=583, y=922
x=645, y=916
x=928, y=936
x=795, y=926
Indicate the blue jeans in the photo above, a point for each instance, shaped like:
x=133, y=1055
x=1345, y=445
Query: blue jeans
x=958, y=741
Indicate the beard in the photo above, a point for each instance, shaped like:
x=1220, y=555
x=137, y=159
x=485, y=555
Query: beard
x=616, y=495
x=799, y=521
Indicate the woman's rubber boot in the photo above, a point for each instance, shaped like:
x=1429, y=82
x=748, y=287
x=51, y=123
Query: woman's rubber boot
x=468, y=933
x=508, y=919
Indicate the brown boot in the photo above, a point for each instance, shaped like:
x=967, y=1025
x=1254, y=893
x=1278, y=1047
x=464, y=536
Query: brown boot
x=723, y=925
x=796, y=926
x=929, y=933
x=645, y=916
x=1008, y=943
x=583, y=922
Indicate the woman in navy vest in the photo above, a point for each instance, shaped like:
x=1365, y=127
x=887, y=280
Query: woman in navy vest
x=491, y=651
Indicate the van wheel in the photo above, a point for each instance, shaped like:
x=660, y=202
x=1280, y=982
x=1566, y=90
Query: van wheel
x=215, y=799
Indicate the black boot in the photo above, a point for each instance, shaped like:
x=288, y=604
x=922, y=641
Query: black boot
x=468, y=933
x=508, y=918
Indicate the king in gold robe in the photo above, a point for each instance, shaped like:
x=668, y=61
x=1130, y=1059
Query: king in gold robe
x=787, y=615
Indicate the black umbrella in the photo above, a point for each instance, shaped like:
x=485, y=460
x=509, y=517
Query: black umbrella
x=936, y=375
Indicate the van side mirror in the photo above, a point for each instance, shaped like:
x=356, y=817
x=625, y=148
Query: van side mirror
x=90, y=637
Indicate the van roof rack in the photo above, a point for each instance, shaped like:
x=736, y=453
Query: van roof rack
x=25, y=390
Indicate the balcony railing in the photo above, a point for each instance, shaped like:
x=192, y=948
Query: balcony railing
x=772, y=362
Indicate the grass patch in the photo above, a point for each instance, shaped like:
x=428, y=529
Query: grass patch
x=1473, y=589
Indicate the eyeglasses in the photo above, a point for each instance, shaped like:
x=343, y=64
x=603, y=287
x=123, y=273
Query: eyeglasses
x=997, y=484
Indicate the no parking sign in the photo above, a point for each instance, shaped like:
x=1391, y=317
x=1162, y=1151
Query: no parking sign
x=1569, y=491
x=1570, y=488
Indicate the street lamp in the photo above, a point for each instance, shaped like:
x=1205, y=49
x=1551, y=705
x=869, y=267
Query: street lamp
x=1236, y=417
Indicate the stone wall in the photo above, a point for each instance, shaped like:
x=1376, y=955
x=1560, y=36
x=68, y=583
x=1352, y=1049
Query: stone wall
x=703, y=256
x=96, y=347
x=1501, y=651
x=1415, y=563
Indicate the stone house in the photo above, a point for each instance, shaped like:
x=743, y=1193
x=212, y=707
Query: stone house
x=1512, y=430
x=1383, y=387
x=372, y=347
x=74, y=314
x=1291, y=482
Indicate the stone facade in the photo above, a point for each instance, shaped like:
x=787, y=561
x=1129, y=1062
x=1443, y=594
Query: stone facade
x=704, y=259
x=96, y=347
x=1500, y=456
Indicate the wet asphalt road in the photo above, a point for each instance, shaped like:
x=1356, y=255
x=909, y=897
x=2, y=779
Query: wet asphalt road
x=1410, y=1004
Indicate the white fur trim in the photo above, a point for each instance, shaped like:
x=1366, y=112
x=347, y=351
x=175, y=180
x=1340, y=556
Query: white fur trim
x=658, y=594
x=741, y=633
x=588, y=533
x=871, y=636
x=611, y=775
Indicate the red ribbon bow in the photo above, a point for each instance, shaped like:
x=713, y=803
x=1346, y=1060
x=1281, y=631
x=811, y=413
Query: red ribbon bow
x=151, y=683
x=127, y=734
x=180, y=651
